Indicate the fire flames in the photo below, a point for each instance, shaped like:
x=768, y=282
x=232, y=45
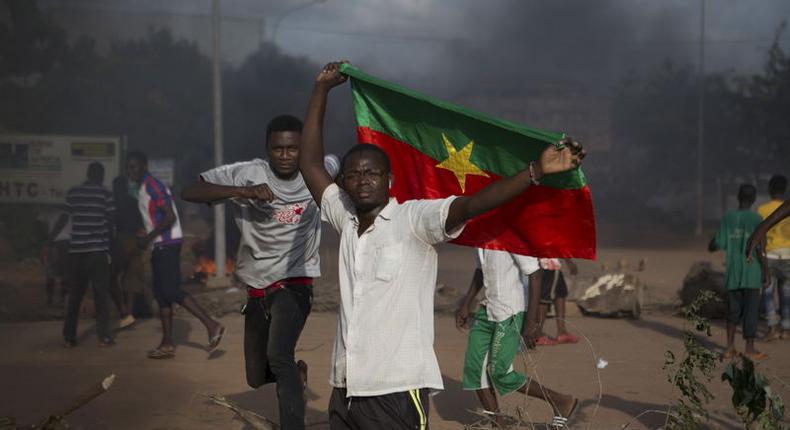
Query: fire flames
x=207, y=267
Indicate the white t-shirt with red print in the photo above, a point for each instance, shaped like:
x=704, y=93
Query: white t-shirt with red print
x=279, y=239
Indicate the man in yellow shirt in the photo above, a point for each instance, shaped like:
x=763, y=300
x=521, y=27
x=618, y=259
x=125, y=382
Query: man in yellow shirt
x=777, y=251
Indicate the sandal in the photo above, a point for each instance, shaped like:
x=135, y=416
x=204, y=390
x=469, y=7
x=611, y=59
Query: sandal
x=69, y=344
x=213, y=341
x=545, y=341
x=567, y=338
x=160, y=354
x=560, y=422
x=126, y=322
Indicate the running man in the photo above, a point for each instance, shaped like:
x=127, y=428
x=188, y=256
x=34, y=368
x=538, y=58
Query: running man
x=277, y=258
x=496, y=334
x=383, y=362
x=163, y=233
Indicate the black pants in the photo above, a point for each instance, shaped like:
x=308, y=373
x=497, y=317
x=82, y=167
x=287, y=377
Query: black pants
x=272, y=326
x=743, y=305
x=88, y=268
x=404, y=410
x=166, y=275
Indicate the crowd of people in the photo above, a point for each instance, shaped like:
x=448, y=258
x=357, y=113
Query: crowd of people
x=109, y=233
x=383, y=365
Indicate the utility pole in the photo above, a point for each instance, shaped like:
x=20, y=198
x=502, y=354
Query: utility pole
x=700, y=121
x=219, y=209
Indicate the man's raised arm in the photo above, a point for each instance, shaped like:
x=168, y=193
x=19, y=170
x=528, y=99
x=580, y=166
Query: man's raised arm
x=205, y=192
x=552, y=160
x=311, y=153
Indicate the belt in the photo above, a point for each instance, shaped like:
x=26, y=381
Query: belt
x=255, y=293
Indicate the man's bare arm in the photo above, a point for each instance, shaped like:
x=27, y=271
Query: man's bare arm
x=462, y=314
x=206, y=192
x=311, y=153
x=530, y=331
x=552, y=160
x=758, y=237
x=167, y=222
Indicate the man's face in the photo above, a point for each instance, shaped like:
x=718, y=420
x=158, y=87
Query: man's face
x=283, y=152
x=135, y=169
x=366, y=180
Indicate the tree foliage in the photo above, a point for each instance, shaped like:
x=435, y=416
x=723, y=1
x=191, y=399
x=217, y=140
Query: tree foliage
x=691, y=374
x=157, y=91
x=656, y=128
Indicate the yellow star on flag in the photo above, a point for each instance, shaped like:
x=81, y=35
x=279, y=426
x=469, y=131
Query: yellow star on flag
x=459, y=162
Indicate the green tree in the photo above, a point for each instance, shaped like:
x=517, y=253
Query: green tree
x=764, y=107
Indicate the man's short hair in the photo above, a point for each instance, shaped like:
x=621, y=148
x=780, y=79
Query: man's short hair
x=777, y=185
x=96, y=172
x=283, y=123
x=365, y=147
x=139, y=156
x=747, y=193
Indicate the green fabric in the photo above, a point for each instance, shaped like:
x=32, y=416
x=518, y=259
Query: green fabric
x=501, y=147
x=734, y=231
x=500, y=340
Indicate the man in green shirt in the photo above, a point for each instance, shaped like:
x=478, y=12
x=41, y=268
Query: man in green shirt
x=743, y=279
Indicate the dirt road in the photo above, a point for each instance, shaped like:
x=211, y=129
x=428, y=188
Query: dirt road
x=39, y=376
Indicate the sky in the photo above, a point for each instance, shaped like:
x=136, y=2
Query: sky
x=436, y=43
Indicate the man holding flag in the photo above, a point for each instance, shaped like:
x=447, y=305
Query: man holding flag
x=383, y=362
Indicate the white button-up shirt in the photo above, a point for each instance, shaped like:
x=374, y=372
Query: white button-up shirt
x=504, y=275
x=387, y=276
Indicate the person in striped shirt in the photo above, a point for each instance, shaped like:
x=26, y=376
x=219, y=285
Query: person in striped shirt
x=92, y=209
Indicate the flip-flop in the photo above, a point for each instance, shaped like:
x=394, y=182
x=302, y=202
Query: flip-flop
x=161, y=354
x=126, y=322
x=560, y=422
x=545, y=341
x=760, y=356
x=213, y=341
x=69, y=344
x=567, y=338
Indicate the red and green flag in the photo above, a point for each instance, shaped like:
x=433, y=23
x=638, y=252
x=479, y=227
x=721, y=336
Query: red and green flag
x=438, y=149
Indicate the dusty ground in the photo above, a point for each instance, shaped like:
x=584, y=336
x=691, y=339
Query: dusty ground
x=38, y=376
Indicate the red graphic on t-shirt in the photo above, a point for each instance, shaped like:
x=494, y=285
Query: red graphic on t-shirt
x=290, y=214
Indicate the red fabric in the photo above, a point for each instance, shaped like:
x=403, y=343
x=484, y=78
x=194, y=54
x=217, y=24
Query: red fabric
x=542, y=222
x=255, y=293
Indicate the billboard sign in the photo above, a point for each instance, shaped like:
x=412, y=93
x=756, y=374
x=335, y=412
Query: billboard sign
x=40, y=169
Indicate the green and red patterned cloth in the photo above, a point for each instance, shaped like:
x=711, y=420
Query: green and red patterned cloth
x=438, y=149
